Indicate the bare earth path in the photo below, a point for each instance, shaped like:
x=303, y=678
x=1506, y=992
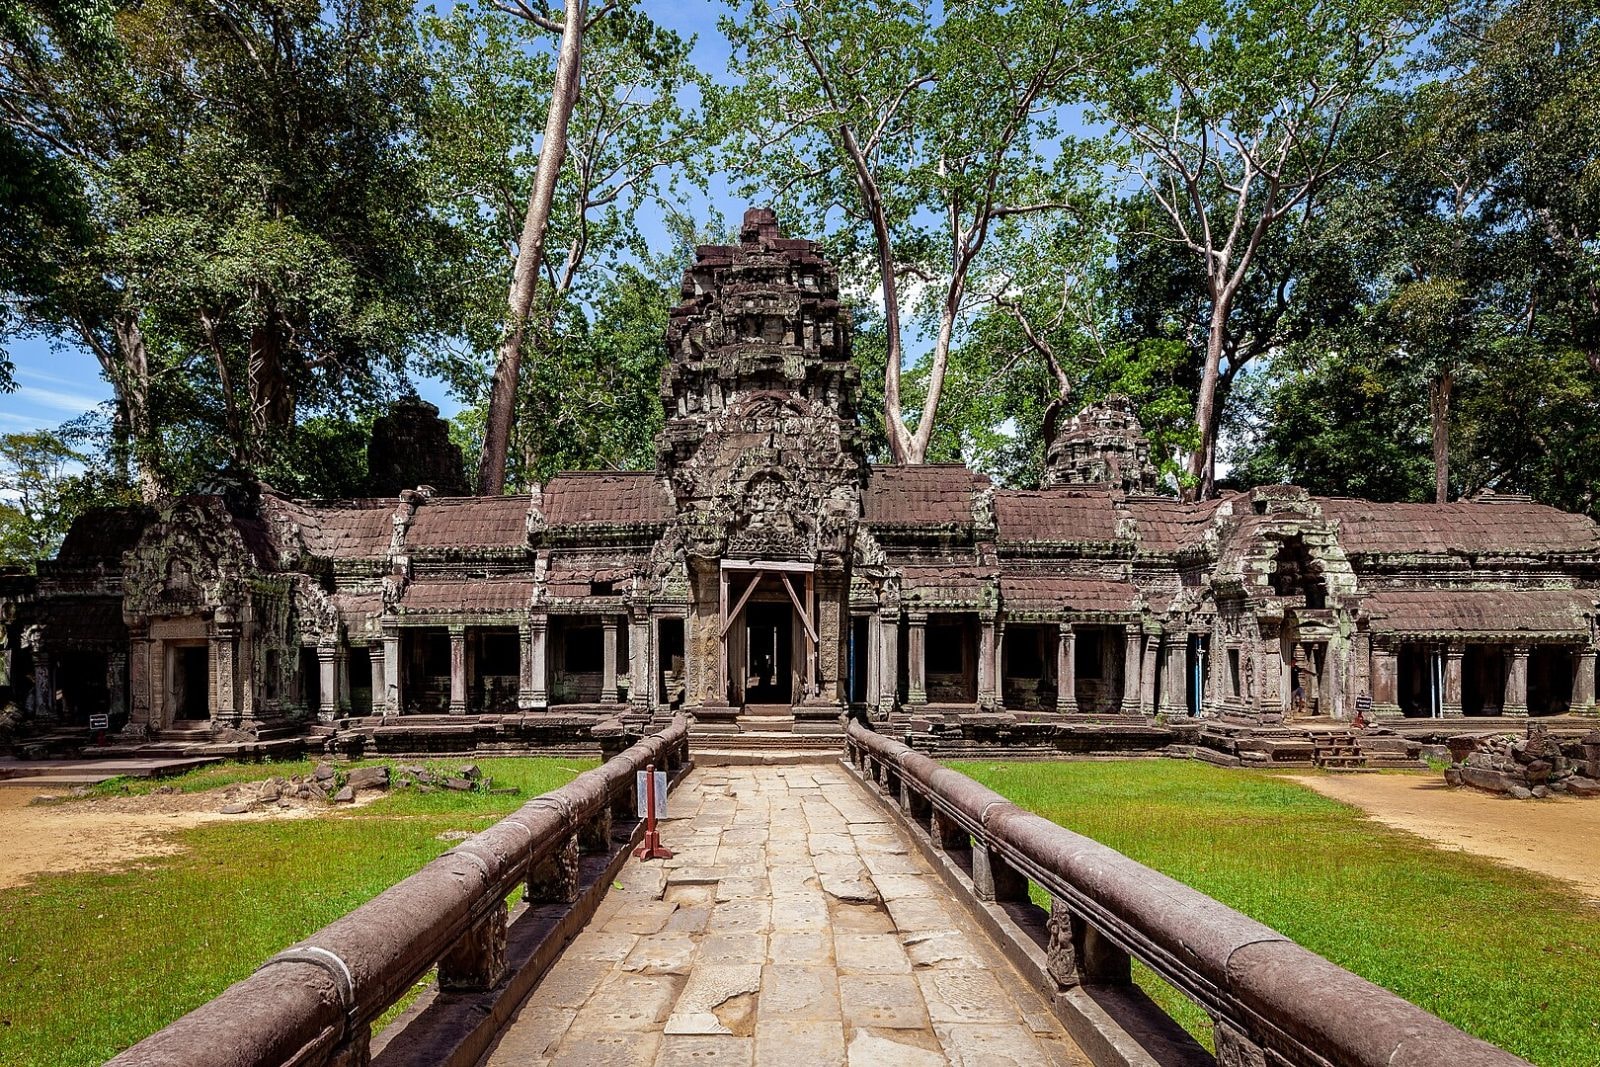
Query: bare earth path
x=793, y=927
x=101, y=834
x=1559, y=837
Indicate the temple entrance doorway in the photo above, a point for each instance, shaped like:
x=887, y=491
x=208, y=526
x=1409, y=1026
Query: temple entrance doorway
x=769, y=644
x=191, y=683
x=1421, y=681
x=1549, y=680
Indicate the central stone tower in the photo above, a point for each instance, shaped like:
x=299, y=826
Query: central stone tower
x=761, y=444
x=765, y=461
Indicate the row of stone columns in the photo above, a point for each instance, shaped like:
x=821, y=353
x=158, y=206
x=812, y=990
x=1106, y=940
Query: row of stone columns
x=1142, y=653
x=1385, y=680
x=533, y=691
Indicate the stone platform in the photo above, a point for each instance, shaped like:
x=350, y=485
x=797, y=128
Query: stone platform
x=793, y=926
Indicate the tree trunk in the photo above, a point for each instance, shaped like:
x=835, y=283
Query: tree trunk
x=1202, y=464
x=1439, y=391
x=530, y=251
x=132, y=378
x=271, y=394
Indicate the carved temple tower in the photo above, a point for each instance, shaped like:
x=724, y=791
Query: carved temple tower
x=764, y=457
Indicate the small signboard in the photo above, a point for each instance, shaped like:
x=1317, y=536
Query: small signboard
x=100, y=722
x=641, y=803
x=1364, y=703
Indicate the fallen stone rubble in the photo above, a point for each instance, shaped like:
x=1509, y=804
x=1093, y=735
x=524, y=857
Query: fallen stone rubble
x=328, y=784
x=1531, y=766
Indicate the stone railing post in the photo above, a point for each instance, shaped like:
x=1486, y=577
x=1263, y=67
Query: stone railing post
x=478, y=960
x=594, y=836
x=946, y=834
x=994, y=879
x=554, y=880
x=1078, y=954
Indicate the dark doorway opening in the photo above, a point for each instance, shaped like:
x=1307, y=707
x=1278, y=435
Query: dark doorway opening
x=360, y=667
x=1549, y=680
x=1483, y=680
x=669, y=658
x=192, y=682
x=1419, y=668
x=310, y=679
x=859, y=645
x=769, y=654
x=497, y=666
x=82, y=681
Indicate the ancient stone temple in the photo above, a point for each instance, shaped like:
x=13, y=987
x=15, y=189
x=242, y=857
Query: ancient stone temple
x=765, y=575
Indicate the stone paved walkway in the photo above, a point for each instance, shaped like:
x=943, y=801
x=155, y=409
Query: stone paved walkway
x=794, y=926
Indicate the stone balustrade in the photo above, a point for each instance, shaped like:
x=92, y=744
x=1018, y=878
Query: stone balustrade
x=1271, y=1001
x=313, y=1005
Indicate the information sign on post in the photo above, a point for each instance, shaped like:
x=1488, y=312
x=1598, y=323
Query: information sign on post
x=650, y=786
x=641, y=803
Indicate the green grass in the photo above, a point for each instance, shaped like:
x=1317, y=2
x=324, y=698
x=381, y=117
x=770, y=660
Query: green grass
x=1507, y=955
x=91, y=963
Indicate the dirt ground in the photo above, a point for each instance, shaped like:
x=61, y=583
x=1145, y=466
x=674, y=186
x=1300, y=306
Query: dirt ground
x=110, y=832
x=1559, y=837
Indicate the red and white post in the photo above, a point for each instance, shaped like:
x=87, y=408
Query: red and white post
x=652, y=848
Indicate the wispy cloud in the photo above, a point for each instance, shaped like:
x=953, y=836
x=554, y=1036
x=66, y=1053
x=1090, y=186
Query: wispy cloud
x=57, y=399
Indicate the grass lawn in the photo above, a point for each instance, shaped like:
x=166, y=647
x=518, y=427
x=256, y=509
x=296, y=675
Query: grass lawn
x=1506, y=955
x=91, y=963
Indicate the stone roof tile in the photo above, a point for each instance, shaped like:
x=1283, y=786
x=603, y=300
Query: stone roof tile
x=470, y=522
x=1463, y=527
x=1057, y=514
x=1043, y=592
x=1557, y=612
x=921, y=494
x=606, y=498
x=471, y=596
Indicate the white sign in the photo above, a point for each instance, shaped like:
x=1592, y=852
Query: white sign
x=640, y=801
x=100, y=722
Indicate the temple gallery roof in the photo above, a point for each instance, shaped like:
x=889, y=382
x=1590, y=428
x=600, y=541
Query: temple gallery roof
x=1524, y=612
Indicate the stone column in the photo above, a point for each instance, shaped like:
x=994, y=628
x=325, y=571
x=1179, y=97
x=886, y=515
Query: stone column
x=988, y=682
x=393, y=701
x=1360, y=670
x=640, y=693
x=1174, y=674
x=916, y=659
x=889, y=645
x=1453, y=655
x=608, y=664
x=1147, y=680
x=535, y=680
x=1385, y=682
x=1516, y=702
x=116, y=683
x=997, y=662
x=327, y=683
x=1583, y=682
x=139, y=697
x=1066, y=669
x=458, y=670
x=224, y=645
x=343, y=664
x=872, y=658
x=375, y=657
x=1131, y=670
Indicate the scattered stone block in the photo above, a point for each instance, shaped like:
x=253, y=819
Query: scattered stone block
x=345, y=796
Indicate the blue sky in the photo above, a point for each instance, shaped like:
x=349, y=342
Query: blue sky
x=57, y=382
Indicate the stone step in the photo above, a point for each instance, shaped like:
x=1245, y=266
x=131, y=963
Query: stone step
x=772, y=724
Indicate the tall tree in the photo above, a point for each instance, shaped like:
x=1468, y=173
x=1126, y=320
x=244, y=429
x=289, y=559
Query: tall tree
x=921, y=130
x=259, y=239
x=632, y=132
x=1236, y=115
x=530, y=247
